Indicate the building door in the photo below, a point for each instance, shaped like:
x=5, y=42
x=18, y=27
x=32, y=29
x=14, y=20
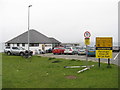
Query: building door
x=43, y=47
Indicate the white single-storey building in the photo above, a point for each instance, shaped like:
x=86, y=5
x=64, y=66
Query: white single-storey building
x=36, y=41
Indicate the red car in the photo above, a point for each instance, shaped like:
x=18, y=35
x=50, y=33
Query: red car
x=58, y=50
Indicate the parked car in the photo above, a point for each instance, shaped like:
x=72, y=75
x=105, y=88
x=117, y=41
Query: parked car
x=58, y=50
x=70, y=50
x=49, y=50
x=116, y=49
x=91, y=51
x=42, y=51
x=16, y=51
x=82, y=51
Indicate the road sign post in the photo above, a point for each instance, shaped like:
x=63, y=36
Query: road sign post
x=86, y=56
x=87, y=42
x=108, y=63
x=99, y=62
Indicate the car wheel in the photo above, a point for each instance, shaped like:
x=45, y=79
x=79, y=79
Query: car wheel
x=30, y=54
x=61, y=53
x=21, y=54
x=8, y=53
x=73, y=53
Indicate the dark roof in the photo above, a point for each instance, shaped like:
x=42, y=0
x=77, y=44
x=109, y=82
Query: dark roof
x=35, y=37
x=53, y=40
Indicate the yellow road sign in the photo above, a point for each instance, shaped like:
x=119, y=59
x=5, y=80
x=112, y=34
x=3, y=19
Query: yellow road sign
x=103, y=41
x=103, y=47
x=103, y=53
x=87, y=41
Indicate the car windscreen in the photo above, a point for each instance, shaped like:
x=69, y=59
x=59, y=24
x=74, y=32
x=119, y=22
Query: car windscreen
x=22, y=48
x=81, y=48
x=61, y=48
x=55, y=48
x=58, y=48
x=74, y=48
x=77, y=47
x=7, y=47
x=92, y=48
x=67, y=48
x=15, y=48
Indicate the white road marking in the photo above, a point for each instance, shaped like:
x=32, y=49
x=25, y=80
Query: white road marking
x=116, y=56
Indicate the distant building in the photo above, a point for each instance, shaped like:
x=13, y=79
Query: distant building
x=70, y=44
x=36, y=39
x=54, y=42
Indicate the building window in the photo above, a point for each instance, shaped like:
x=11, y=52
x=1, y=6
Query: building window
x=8, y=44
x=17, y=44
x=47, y=45
x=7, y=47
x=23, y=44
x=34, y=44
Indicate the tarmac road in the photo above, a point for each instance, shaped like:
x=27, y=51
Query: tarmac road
x=114, y=60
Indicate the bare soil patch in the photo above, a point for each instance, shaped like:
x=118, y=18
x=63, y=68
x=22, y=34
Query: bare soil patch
x=70, y=77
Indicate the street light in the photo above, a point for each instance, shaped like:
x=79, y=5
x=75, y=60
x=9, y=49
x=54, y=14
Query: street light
x=28, y=24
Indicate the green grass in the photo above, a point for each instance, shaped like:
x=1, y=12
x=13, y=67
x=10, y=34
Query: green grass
x=40, y=72
x=0, y=71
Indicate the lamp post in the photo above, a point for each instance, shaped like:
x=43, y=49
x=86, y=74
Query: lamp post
x=28, y=24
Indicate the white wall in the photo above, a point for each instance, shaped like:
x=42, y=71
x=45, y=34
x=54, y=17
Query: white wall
x=20, y=45
x=34, y=48
x=26, y=46
x=13, y=45
x=47, y=46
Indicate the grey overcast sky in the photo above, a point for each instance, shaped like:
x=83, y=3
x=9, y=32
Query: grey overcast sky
x=65, y=20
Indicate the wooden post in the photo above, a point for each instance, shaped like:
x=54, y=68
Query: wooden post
x=86, y=55
x=108, y=63
x=99, y=62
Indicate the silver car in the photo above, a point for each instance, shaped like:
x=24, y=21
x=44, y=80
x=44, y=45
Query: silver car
x=82, y=51
x=16, y=51
x=116, y=48
x=70, y=50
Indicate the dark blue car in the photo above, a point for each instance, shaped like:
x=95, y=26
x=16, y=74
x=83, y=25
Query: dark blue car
x=91, y=51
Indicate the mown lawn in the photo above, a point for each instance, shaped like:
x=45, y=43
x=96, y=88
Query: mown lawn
x=0, y=71
x=40, y=72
